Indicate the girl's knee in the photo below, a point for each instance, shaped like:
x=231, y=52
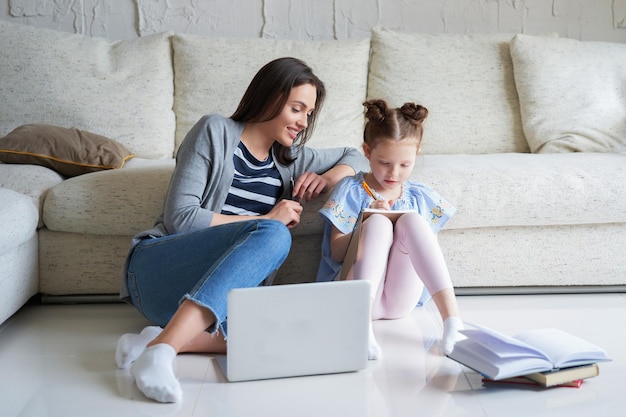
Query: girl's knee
x=413, y=220
x=379, y=222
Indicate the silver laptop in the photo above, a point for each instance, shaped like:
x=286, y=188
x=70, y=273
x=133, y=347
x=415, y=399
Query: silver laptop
x=296, y=329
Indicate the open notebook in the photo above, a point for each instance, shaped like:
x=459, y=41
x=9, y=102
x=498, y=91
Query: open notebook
x=296, y=330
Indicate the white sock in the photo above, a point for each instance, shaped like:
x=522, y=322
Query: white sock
x=130, y=345
x=373, y=350
x=154, y=374
x=451, y=335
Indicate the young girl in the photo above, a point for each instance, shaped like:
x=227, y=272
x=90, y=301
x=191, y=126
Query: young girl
x=397, y=259
x=225, y=221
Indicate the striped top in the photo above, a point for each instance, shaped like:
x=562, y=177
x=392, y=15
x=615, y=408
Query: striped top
x=256, y=186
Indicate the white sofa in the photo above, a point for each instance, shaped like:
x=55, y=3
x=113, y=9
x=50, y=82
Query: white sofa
x=523, y=137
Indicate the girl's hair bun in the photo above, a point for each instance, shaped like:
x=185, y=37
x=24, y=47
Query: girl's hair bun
x=375, y=110
x=415, y=112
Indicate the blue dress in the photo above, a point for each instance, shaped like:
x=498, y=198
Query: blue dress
x=349, y=198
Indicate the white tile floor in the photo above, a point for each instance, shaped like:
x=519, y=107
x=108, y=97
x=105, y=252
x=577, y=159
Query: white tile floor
x=58, y=360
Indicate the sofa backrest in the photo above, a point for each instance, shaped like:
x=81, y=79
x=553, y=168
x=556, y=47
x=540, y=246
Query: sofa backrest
x=122, y=90
x=148, y=92
x=465, y=81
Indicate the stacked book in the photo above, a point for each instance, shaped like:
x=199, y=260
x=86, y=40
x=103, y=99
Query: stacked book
x=543, y=357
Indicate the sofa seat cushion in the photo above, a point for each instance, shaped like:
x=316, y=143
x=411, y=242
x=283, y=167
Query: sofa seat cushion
x=465, y=81
x=18, y=219
x=122, y=90
x=504, y=190
x=212, y=74
x=495, y=190
x=31, y=180
x=124, y=202
x=517, y=189
x=118, y=202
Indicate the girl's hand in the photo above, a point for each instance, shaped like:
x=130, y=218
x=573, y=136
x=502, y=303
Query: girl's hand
x=382, y=204
x=308, y=186
x=286, y=211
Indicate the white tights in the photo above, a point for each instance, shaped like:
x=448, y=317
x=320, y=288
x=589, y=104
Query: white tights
x=398, y=262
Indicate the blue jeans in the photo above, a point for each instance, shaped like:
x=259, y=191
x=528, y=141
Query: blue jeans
x=203, y=266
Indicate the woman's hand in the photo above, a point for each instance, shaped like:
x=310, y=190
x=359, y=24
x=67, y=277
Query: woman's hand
x=309, y=186
x=286, y=211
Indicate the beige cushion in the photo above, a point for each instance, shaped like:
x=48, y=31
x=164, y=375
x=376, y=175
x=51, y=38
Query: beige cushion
x=31, y=180
x=68, y=151
x=572, y=93
x=545, y=190
x=522, y=189
x=211, y=76
x=465, y=81
x=117, y=202
x=122, y=90
x=18, y=219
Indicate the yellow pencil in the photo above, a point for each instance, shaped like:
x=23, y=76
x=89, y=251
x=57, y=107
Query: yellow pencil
x=369, y=190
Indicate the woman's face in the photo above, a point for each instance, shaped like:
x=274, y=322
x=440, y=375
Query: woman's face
x=391, y=163
x=285, y=127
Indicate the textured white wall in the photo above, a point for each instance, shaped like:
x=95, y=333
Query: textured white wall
x=321, y=19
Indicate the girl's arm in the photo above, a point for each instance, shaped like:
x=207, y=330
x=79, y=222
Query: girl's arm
x=339, y=244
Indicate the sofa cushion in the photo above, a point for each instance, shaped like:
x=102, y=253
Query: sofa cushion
x=18, y=219
x=117, y=202
x=122, y=90
x=545, y=190
x=572, y=93
x=465, y=81
x=551, y=192
x=521, y=189
x=211, y=76
x=31, y=180
x=68, y=151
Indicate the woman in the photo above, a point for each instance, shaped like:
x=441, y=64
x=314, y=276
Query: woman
x=225, y=224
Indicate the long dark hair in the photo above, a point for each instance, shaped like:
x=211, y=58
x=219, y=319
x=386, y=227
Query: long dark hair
x=268, y=92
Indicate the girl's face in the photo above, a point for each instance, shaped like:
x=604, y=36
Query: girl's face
x=285, y=127
x=391, y=163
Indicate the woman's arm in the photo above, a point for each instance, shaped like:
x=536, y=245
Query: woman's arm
x=286, y=211
x=323, y=160
x=320, y=169
x=309, y=185
x=336, y=174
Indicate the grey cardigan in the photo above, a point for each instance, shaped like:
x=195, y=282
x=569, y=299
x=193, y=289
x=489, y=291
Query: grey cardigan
x=205, y=170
